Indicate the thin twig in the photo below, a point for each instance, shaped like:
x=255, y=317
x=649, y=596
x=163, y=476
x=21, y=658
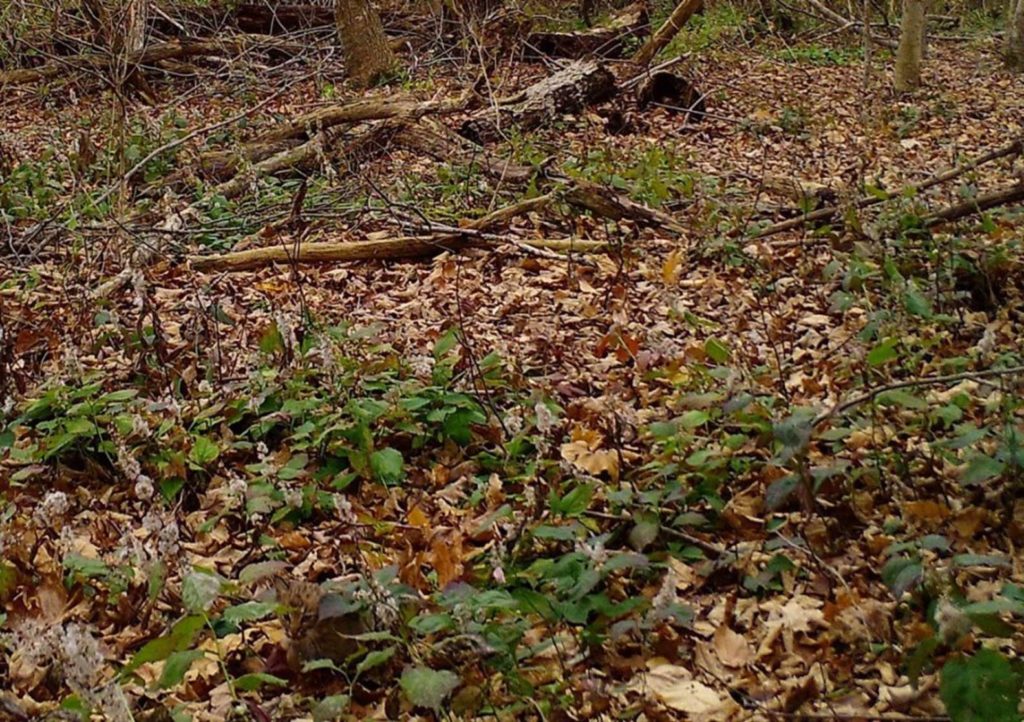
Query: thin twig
x=842, y=407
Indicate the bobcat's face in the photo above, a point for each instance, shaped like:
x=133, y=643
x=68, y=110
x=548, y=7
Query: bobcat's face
x=319, y=624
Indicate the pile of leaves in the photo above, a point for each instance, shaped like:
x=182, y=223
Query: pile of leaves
x=710, y=476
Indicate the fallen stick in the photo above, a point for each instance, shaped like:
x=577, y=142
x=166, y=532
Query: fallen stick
x=148, y=56
x=389, y=249
x=978, y=204
x=605, y=202
x=669, y=29
x=843, y=406
x=1013, y=148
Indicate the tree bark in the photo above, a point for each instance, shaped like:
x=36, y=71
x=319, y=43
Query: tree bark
x=368, y=56
x=1015, y=35
x=663, y=35
x=907, y=72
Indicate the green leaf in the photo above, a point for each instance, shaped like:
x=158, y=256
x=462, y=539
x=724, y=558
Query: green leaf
x=176, y=666
x=883, y=352
x=982, y=688
x=249, y=682
x=7, y=438
x=901, y=574
x=898, y=397
x=248, y=612
x=981, y=468
x=203, y=451
x=693, y=419
x=575, y=502
x=780, y=490
x=716, y=350
x=375, y=659
x=982, y=560
x=387, y=465
x=181, y=636
x=428, y=688
x=330, y=708
x=272, y=340
x=645, y=531
x=260, y=570
x=85, y=567
x=199, y=590
x=445, y=344
x=916, y=302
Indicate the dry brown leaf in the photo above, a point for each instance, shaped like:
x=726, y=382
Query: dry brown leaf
x=676, y=688
x=584, y=453
x=732, y=649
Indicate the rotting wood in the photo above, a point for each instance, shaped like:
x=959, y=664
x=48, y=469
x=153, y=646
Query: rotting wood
x=606, y=203
x=606, y=41
x=572, y=89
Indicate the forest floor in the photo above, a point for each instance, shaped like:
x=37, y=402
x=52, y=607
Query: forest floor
x=593, y=487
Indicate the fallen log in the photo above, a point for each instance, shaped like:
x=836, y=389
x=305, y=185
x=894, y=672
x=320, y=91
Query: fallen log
x=668, y=30
x=605, y=202
x=607, y=41
x=389, y=249
x=272, y=150
x=673, y=92
x=322, y=146
x=359, y=111
x=1013, y=148
x=575, y=87
x=978, y=204
x=437, y=141
x=383, y=250
x=148, y=56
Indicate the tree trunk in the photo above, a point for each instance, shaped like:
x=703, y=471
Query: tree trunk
x=907, y=74
x=367, y=53
x=1015, y=34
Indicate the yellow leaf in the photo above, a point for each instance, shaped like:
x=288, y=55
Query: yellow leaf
x=672, y=268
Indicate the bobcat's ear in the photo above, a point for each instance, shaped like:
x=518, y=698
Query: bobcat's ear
x=280, y=586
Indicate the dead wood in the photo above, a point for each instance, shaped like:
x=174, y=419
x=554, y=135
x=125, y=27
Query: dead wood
x=385, y=250
x=359, y=111
x=575, y=87
x=669, y=29
x=322, y=147
x=1013, y=148
x=978, y=204
x=390, y=249
x=673, y=92
x=605, y=202
x=277, y=19
x=607, y=41
x=149, y=56
x=272, y=151
x=437, y=141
